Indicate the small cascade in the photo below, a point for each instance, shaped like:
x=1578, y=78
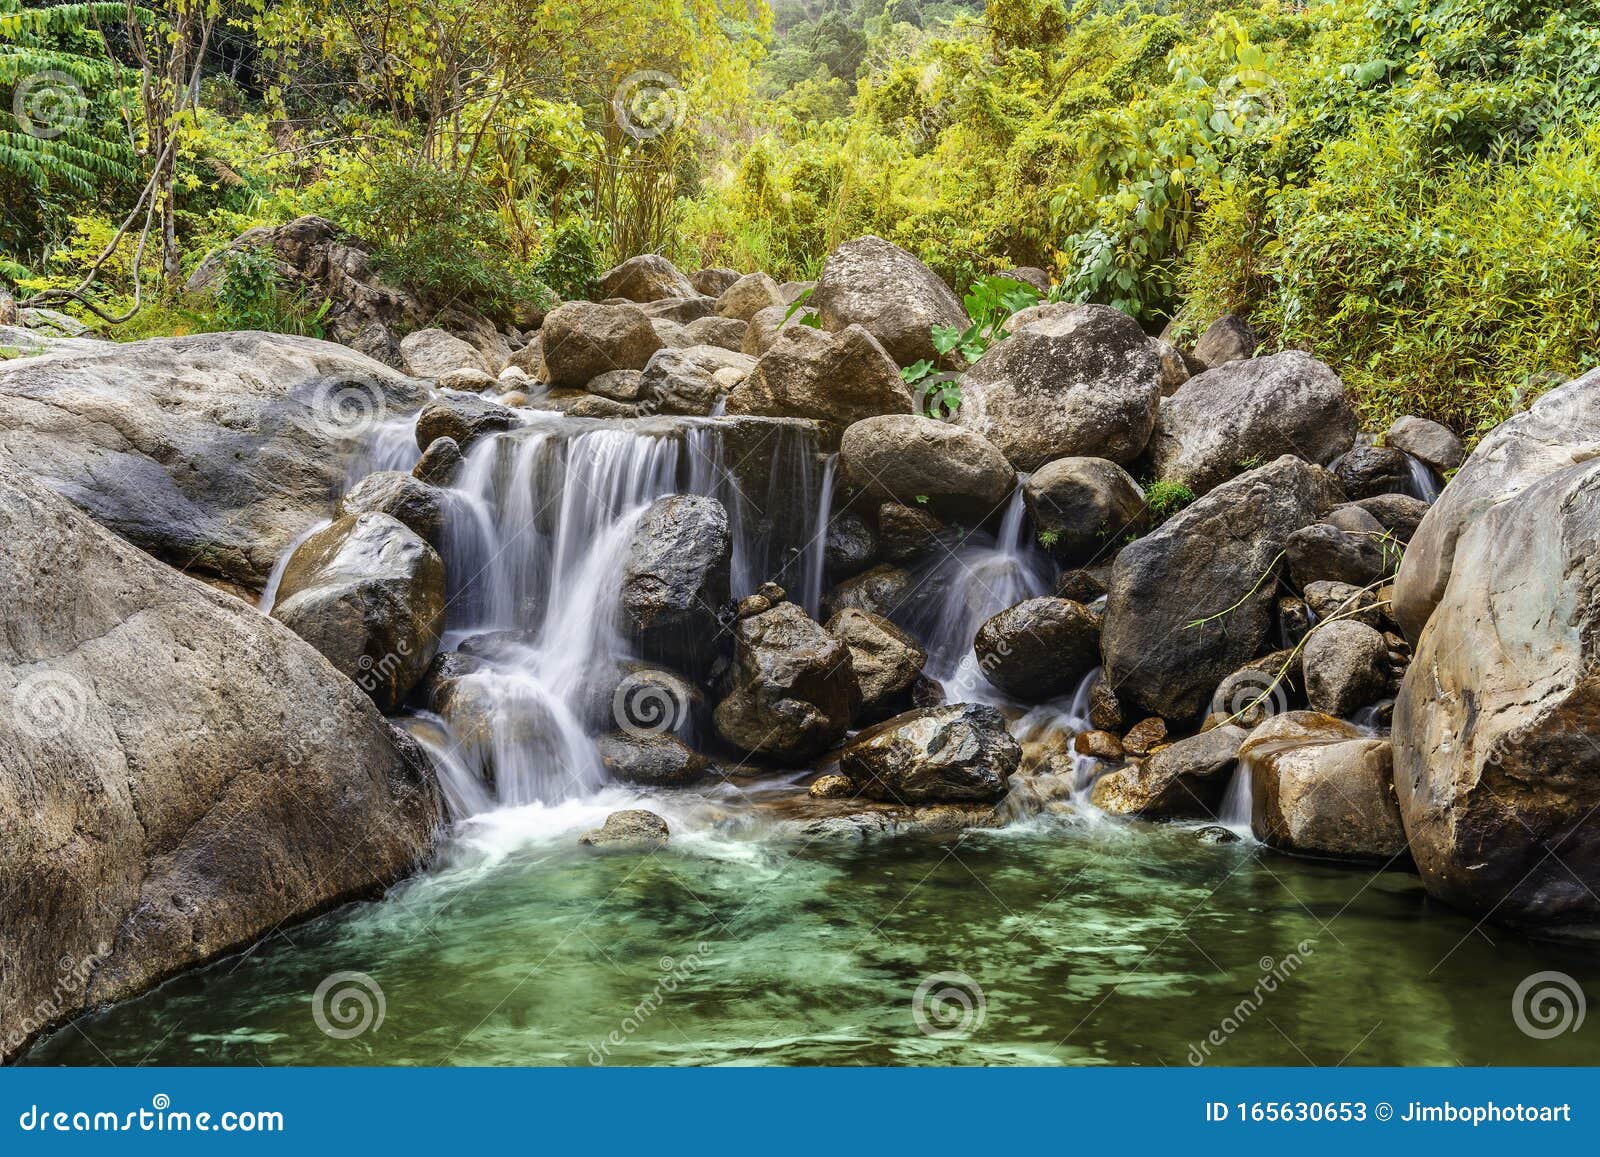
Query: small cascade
x=538, y=526
x=391, y=445
x=1235, y=810
x=955, y=595
x=816, y=557
x=1424, y=482
x=269, y=593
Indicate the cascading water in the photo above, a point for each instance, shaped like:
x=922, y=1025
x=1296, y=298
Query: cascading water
x=1424, y=482
x=538, y=526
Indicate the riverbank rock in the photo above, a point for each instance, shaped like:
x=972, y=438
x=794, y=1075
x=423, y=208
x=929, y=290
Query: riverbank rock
x=1228, y=339
x=955, y=754
x=1368, y=471
x=182, y=774
x=1346, y=668
x=882, y=590
x=909, y=533
x=1184, y=780
x=581, y=341
x=676, y=578
x=909, y=459
x=211, y=452
x=885, y=659
x=1079, y=381
x=1399, y=514
x=636, y=830
x=793, y=689
x=838, y=377
x=369, y=594
x=440, y=462
x=1193, y=601
x=434, y=353
x=1083, y=507
x=890, y=294
x=749, y=296
x=1432, y=444
x=852, y=545
x=1039, y=648
x=725, y=332
x=693, y=379
x=1322, y=787
x=1560, y=428
x=713, y=282
x=648, y=277
x=1324, y=553
x=1223, y=421
x=680, y=310
x=762, y=330
x=1497, y=766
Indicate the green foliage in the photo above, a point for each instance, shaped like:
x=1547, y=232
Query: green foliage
x=1164, y=499
x=569, y=265
x=989, y=303
x=250, y=295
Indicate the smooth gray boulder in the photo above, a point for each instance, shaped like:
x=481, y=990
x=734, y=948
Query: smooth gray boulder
x=1080, y=381
x=1228, y=339
x=1038, y=649
x=369, y=594
x=211, y=452
x=1497, y=744
x=838, y=377
x=1560, y=428
x=433, y=353
x=1431, y=443
x=676, y=579
x=889, y=293
x=1226, y=420
x=909, y=459
x=1193, y=601
x=1346, y=668
x=182, y=775
x=956, y=754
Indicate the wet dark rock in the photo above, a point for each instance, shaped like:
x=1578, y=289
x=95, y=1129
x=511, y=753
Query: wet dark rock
x=886, y=661
x=1038, y=649
x=1081, y=586
x=793, y=690
x=1213, y=834
x=914, y=460
x=439, y=463
x=1325, y=553
x=832, y=787
x=675, y=578
x=1102, y=745
x=653, y=760
x=1367, y=471
x=1145, y=736
x=1083, y=507
x=1184, y=780
x=883, y=590
x=852, y=545
x=907, y=533
x=1400, y=514
x=935, y=755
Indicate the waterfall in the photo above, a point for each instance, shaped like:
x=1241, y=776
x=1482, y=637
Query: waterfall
x=816, y=556
x=269, y=593
x=1237, y=802
x=1424, y=482
x=538, y=526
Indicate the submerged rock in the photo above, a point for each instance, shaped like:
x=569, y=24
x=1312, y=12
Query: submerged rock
x=369, y=594
x=182, y=774
x=1224, y=421
x=636, y=830
x=1323, y=787
x=793, y=688
x=1079, y=381
x=890, y=294
x=935, y=755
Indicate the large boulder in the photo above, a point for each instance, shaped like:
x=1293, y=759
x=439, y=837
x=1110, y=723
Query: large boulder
x=793, y=689
x=955, y=754
x=889, y=293
x=1431, y=443
x=692, y=380
x=886, y=661
x=713, y=282
x=838, y=377
x=1039, y=648
x=1080, y=381
x=1228, y=339
x=1325, y=553
x=1346, y=667
x=211, y=452
x=1560, y=428
x=434, y=353
x=1082, y=508
x=909, y=459
x=417, y=504
x=581, y=340
x=1497, y=745
x=1323, y=787
x=676, y=579
x=182, y=775
x=762, y=330
x=851, y=545
x=1193, y=601
x=463, y=418
x=1184, y=780
x=648, y=277
x=726, y=332
x=1247, y=412
x=369, y=594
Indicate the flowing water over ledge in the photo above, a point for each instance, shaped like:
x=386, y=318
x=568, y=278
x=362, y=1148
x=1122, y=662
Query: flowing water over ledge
x=1065, y=938
x=1091, y=942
